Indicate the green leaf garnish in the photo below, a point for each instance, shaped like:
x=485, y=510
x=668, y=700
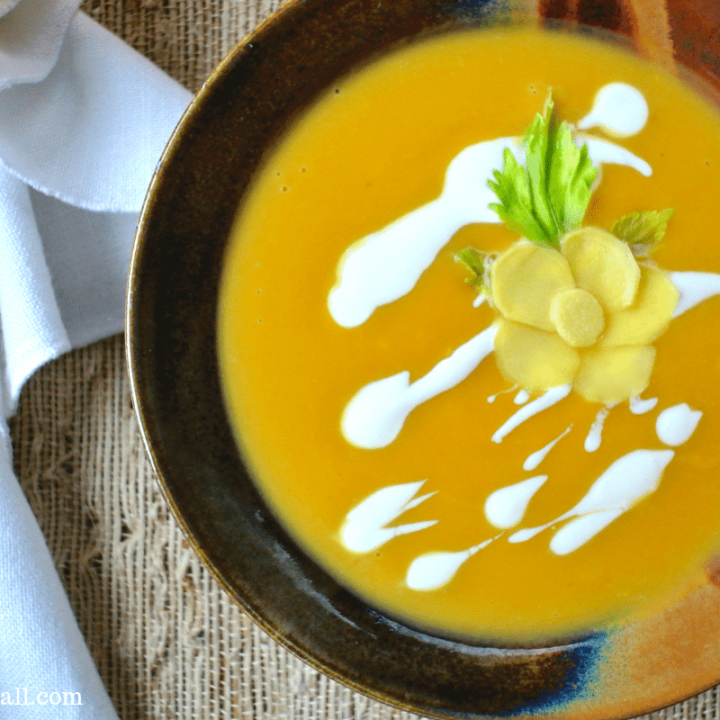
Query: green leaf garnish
x=478, y=264
x=547, y=197
x=643, y=231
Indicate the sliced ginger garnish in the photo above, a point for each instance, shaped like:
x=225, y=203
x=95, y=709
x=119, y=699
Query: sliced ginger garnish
x=649, y=316
x=577, y=316
x=525, y=278
x=602, y=265
x=585, y=315
x=534, y=359
x=610, y=375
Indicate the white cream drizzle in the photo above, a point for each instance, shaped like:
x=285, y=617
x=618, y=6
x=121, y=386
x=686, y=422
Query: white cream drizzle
x=619, y=109
x=506, y=507
x=522, y=397
x=604, y=152
x=534, y=459
x=385, y=265
x=364, y=528
x=594, y=436
x=376, y=414
x=638, y=406
x=675, y=425
x=577, y=532
x=546, y=400
x=491, y=398
x=694, y=287
x=627, y=481
x=435, y=569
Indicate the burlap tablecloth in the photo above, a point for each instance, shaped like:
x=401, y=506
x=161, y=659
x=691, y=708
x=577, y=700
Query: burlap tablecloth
x=167, y=641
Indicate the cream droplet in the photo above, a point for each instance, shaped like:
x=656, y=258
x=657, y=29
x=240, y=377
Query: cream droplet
x=619, y=108
x=435, y=569
x=538, y=456
x=506, y=507
x=675, y=425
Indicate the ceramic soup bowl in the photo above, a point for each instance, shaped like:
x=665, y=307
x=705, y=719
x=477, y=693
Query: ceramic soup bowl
x=172, y=325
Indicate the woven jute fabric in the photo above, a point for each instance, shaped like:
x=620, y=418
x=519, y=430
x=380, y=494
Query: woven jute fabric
x=166, y=639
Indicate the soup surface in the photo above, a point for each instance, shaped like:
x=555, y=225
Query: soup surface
x=397, y=448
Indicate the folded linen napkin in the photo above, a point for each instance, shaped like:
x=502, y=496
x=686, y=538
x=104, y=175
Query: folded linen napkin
x=83, y=121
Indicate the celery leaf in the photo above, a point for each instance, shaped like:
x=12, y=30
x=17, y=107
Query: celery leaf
x=643, y=231
x=478, y=263
x=547, y=197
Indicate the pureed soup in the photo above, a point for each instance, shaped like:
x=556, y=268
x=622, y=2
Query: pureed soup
x=474, y=375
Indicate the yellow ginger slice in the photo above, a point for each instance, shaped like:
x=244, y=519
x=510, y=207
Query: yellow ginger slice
x=614, y=374
x=602, y=265
x=649, y=316
x=524, y=280
x=534, y=359
x=577, y=316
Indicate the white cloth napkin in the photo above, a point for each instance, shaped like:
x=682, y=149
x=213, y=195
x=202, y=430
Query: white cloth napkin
x=83, y=121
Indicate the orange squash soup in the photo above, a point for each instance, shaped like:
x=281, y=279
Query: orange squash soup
x=467, y=335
